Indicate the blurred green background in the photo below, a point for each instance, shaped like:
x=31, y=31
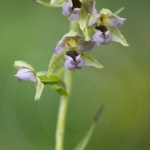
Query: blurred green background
x=29, y=32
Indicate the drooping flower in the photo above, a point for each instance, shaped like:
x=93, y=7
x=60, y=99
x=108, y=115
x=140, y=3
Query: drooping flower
x=74, y=41
x=71, y=8
x=105, y=27
x=102, y=35
x=107, y=18
x=72, y=50
x=73, y=60
x=72, y=45
x=24, y=71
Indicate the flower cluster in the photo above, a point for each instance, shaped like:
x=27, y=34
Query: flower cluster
x=98, y=28
x=103, y=24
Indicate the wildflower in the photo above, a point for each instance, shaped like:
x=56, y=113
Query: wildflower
x=105, y=27
x=71, y=8
x=72, y=45
x=24, y=71
x=102, y=35
x=73, y=60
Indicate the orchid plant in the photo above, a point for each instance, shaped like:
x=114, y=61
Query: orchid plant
x=88, y=28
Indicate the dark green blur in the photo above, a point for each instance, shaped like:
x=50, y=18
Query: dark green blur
x=30, y=32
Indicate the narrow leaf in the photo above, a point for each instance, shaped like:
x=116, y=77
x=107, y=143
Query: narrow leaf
x=118, y=37
x=47, y=4
x=119, y=10
x=39, y=89
x=60, y=90
x=50, y=80
x=54, y=63
x=85, y=140
x=89, y=60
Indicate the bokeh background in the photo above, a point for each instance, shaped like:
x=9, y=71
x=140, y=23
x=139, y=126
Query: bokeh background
x=29, y=32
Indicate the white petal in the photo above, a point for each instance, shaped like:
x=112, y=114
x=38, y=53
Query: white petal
x=115, y=21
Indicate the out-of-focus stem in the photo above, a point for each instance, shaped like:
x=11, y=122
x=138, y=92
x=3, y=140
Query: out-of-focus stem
x=68, y=77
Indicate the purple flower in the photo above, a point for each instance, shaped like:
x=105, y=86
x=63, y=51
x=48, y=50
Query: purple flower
x=25, y=74
x=107, y=18
x=105, y=25
x=73, y=60
x=24, y=71
x=72, y=7
x=102, y=36
x=73, y=41
x=72, y=45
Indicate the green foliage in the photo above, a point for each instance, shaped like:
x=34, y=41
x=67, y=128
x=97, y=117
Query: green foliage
x=59, y=89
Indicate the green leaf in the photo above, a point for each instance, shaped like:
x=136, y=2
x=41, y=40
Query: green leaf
x=60, y=90
x=47, y=4
x=50, y=80
x=39, y=89
x=82, y=20
x=54, y=63
x=89, y=60
x=119, y=10
x=118, y=37
x=85, y=140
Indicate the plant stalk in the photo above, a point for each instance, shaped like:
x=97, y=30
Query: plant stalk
x=64, y=99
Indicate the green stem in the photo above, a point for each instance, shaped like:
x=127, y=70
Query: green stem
x=62, y=111
x=68, y=77
x=74, y=26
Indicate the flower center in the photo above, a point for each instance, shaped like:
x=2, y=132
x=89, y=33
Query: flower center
x=72, y=43
x=76, y=4
x=103, y=29
x=72, y=54
x=104, y=19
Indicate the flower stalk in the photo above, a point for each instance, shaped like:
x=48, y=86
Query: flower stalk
x=96, y=28
x=64, y=99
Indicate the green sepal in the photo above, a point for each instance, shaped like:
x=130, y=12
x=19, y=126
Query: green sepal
x=89, y=60
x=88, y=32
x=22, y=64
x=47, y=4
x=54, y=63
x=82, y=20
x=118, y=37
x=85, y=140
x=39, y=89
x=119, y=10
x=59, y=89
x=71, y=33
